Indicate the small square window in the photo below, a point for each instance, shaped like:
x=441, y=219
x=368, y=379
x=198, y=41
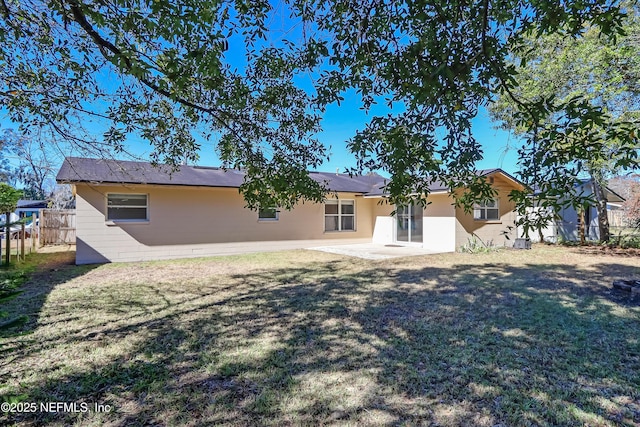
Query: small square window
x=268, y=214
x=339, y=215
x=487, y=211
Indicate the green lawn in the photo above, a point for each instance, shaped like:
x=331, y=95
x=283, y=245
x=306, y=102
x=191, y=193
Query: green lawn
x=507, y=338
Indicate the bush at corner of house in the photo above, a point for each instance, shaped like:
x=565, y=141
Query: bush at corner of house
x=475, y=246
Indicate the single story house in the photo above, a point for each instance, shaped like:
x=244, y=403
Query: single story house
x=28, y=208
x=132, y=211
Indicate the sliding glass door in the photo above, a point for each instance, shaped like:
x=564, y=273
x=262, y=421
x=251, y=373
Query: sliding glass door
x=409, y=223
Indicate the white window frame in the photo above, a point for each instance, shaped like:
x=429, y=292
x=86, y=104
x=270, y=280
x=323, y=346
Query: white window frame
x=113, y=220
x=481, y=208
x=268, y=219
x=339, y=203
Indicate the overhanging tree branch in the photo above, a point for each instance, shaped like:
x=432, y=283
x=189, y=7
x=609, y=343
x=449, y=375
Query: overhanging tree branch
x=5, y=9
x=105, y=45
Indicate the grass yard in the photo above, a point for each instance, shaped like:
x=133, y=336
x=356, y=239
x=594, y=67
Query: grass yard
x=510, y=338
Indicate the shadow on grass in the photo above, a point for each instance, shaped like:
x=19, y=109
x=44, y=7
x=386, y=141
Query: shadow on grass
x=44, y=272
x=379, y=344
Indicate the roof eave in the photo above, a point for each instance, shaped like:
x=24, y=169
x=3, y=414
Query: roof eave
x=386, y=195
x=97, y=183
x=509, y=177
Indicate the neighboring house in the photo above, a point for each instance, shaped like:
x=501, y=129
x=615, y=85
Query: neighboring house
x=131, y=211
x=567, y=226
x=28, y=208
x=25, y=208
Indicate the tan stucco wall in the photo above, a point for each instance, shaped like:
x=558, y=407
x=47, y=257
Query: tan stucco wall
x=440, y=205
x=381, y=207
x=490, y=231
x=186, y=221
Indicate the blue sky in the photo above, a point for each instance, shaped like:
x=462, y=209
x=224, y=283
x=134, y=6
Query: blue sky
x=342, y=122
x=339, y=122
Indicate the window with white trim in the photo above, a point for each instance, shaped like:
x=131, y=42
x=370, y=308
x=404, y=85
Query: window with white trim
x=486, y=211
x=127, y=207
x=268, y=214
x=339, y=215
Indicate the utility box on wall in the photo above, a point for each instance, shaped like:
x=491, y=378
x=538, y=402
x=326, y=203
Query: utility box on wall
x=522, y=244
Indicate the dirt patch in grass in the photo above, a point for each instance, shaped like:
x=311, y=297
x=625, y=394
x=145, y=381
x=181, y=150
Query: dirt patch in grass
x=308, y=338
x=608, y=251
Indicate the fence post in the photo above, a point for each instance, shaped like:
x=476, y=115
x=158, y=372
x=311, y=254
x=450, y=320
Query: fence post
x=22, y=237
x=34, y=229
x=40, y=227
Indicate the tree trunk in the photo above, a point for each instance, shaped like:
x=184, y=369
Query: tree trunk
x=581, y=226
x=540, y=234
x=601, y=207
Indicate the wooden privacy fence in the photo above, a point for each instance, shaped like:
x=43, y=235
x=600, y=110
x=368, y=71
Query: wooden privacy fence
x=57, y=226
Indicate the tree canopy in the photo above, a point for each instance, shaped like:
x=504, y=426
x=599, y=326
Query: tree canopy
x=176, y=74
x=9, y=197
x=600, y=72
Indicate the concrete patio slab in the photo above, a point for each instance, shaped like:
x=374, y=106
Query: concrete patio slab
x=373, y=251
x=361, y=248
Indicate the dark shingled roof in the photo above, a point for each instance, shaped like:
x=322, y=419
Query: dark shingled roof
x=77, y=169
x=23, y=203
x=439, y=186
x=107, y=171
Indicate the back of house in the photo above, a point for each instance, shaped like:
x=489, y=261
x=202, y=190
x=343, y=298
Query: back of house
x=134, y=211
